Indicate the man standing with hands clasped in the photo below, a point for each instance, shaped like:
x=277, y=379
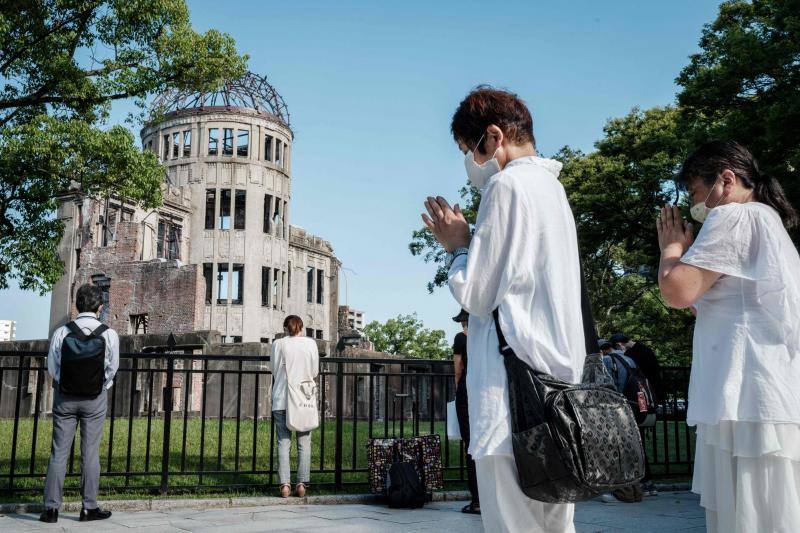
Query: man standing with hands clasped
x=522, y=260
x=83, y=359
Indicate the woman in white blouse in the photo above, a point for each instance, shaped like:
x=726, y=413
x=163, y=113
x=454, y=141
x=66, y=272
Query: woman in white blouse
x=303, y=352
x=742, y=279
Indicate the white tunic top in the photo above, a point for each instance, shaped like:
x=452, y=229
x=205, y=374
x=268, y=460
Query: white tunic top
x=744, y=365
x=524, y=259
x=305, y=350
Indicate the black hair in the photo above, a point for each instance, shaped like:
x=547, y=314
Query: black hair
x=89, y=298
x=711, y=159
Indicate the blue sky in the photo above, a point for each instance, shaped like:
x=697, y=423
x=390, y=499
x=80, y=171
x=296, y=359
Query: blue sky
x=371, y=87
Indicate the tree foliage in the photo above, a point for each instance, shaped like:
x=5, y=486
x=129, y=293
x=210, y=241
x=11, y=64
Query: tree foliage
x=744, y=84
x=62, y=64
x=406, y=335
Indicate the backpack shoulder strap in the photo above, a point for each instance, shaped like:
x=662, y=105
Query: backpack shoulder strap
x=102, y=328
x=76, y=330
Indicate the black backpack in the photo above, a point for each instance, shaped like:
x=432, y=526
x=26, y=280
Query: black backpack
x=638, y=392
x=83, y=361
x=404, y=488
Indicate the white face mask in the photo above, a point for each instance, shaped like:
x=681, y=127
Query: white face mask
x=479, y=174
x=700, y=211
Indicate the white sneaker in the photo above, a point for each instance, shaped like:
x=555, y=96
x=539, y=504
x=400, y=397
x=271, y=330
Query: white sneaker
x=607, y=497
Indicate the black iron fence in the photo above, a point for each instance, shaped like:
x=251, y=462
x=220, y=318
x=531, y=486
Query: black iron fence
x=189, y=422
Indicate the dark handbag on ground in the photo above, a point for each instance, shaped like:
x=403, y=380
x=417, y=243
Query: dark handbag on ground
x=423, y=451
x=570, y=441
x=83, y=362
x=404, y=488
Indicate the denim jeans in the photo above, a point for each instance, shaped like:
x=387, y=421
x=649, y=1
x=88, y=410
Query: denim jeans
x=285, y=448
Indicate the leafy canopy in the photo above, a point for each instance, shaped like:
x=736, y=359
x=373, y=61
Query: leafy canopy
x=62, y=64
x=406, y=335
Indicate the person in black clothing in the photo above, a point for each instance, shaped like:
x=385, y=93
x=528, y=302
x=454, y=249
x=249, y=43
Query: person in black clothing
x=460, y=364
x=645, y=359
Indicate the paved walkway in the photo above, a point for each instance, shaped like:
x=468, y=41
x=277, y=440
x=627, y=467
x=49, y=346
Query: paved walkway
x=678, y=511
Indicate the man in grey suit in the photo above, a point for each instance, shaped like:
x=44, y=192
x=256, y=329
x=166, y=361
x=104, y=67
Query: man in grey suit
x=83, y=359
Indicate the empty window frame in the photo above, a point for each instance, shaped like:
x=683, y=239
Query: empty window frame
x=165, y=149
x=265, y=292
x=278, y=151
x=227, y=141
x=138, y=324
x=310, y=332
x=289, y=282
x=222, y=283
x=150, y=145
x=268, y=147
x=285, y=219
x=213, y=141
x=169, y=240
x=224, y=209
x=276, y=217
x=275, y=287
x=176, y=143
x=310, y=285
x=240, y=201
x=320, y=285
x=187, y=143
x=319, y=334
x=208, y=272
x=237, y=284
x=267, y=213
x=242, y=143
x=211, y=207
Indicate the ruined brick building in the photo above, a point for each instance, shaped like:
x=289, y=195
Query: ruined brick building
x=220, y=253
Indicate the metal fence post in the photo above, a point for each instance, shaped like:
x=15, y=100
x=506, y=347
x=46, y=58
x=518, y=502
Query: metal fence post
x=337, y=476
x=18, y=404
x=167, y=415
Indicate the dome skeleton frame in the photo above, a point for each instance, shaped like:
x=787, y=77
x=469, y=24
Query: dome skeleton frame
x=251, y=91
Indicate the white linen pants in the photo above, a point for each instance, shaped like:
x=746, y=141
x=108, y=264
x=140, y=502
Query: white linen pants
x=506, y=509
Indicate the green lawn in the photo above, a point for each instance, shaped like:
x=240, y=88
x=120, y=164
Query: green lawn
x=146, y=461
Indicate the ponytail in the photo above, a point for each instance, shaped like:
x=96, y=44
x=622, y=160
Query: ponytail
x=769, y=191
x=711, y=159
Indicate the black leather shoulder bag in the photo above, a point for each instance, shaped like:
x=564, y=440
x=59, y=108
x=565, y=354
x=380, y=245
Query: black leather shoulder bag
x=571, y=441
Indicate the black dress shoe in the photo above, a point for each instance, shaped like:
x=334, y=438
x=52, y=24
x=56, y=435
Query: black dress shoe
x=49, y=515
x=94, y=514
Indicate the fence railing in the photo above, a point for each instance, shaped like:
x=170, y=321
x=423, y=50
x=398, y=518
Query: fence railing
x=189, y=422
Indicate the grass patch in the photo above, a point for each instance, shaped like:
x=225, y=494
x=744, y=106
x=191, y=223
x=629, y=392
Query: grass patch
x=241, y=458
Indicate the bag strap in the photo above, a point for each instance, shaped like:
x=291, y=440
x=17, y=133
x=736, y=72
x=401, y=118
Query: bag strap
x=76, y=330
x=589, y=328
x=102, y=328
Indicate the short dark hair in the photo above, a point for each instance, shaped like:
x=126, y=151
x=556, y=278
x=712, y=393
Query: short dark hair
x=89, y=298
x=294, y=324
x=485, y=106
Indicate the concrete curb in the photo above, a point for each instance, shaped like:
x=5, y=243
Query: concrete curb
x=155, y=504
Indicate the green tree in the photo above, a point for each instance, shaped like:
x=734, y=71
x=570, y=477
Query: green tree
x=744, y=84
x=406, y=335
x=615, y=193
x=62, y=64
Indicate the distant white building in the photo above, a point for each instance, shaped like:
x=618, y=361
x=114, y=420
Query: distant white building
x=355, y=319
x=8, y=330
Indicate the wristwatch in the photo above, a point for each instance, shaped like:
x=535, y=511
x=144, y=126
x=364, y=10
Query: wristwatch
x=451, y=256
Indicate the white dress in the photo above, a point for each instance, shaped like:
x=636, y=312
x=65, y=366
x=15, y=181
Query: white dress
x=744, y=391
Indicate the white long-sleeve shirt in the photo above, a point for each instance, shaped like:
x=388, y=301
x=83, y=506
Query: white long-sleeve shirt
x=88, y=323
x=524, y=259
x=304, y=352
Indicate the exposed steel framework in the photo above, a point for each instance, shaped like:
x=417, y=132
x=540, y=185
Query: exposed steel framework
x=251, y=91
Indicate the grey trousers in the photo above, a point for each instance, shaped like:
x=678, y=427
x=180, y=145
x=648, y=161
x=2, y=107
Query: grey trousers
x=285, y=448
x=67, y=412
